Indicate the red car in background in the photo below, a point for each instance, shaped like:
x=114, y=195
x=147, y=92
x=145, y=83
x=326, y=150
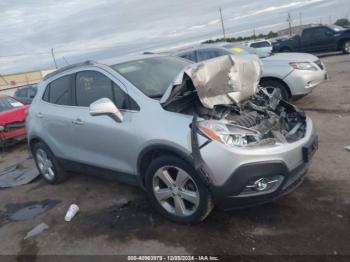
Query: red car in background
x=12, y=119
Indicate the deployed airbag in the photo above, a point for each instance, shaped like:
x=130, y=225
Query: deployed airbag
x=225, y=80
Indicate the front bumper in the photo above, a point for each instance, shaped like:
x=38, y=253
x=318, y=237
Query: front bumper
x=228, y=196
x=302, y=82
x=231, y=170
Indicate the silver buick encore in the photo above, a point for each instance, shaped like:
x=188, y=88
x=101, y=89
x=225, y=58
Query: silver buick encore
x=191, y=135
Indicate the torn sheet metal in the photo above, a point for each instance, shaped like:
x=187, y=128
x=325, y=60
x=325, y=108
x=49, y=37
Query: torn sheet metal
x=221, y=81
x=19, y=174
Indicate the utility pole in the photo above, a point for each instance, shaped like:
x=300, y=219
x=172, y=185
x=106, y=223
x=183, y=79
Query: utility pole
x=300, y=19
x=289, y=20
x=53, y=57
x=320, y=20
x=222, y=24
x=330, y=19
x=254, y=35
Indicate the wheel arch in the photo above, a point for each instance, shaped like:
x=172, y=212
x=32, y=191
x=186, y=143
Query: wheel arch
x=341, y=43
x=154, y=151
x=271, y=78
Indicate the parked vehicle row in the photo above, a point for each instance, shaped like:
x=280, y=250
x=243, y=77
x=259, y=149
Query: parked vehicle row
x=294, y=74
x=26, y=94
x=12, y=119
x=193, y=135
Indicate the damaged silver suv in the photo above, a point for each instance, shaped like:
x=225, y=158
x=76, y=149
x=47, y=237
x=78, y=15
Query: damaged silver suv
x=192, y=135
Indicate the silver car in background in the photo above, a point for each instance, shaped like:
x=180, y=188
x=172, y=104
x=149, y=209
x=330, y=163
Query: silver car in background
x=295, y=74
x=162, y=123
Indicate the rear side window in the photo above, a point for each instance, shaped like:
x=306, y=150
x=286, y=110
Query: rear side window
x=22, y=92
x=189, y=56
x=260, y=44
x=205, y=54
x=59, y=91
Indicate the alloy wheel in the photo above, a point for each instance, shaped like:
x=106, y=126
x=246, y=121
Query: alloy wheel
x=45, y=164
x=175, y=191
x=347, y=47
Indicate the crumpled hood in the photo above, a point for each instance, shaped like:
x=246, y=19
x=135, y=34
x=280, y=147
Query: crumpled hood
x=13, y=115
x=290, y=57
x=220, y=81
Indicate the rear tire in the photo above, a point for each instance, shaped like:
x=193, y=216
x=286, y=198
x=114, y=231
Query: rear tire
x=47, y=164
x=346, y=47
x=176, y=191
x=269, y=84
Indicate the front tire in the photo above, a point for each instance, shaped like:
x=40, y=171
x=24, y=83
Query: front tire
x=176, y=191
x=270, y=84
x=47, y=164
x=346, y=47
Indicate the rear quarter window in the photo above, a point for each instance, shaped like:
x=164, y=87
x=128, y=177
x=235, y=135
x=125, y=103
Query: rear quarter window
x=59, y=91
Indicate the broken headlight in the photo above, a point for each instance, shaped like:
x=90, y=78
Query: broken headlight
x=228, y=134
x=304, y=66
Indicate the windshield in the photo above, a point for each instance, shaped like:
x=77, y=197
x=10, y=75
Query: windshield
x=337, y=28
x=152, y=75
x=7, y=103
x=244, y=50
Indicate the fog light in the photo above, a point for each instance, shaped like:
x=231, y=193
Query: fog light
x=262, y=185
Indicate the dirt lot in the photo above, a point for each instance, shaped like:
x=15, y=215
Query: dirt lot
x=314, y=219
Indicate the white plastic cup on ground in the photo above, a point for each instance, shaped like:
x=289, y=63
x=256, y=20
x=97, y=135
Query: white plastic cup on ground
x=72, y=211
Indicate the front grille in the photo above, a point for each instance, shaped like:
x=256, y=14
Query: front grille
x=13, y=126
x=319, y=63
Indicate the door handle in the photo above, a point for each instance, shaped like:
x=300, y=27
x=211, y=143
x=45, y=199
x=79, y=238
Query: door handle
x=40, y=115
x=78, y=121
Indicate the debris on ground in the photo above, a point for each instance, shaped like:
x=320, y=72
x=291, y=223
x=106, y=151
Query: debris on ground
x=19, y=174
x=347, y=147
x=36, y=230
x=121, y=203
x=30, y=211
x=72, y=211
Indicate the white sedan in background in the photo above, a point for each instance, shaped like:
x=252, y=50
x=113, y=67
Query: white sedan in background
x=263, y=45
x=295, y=74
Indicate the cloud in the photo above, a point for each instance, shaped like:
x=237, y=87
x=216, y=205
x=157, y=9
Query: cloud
x=85, y=29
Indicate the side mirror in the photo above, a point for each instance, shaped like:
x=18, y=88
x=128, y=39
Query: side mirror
x=329, y=33
x=105, y=106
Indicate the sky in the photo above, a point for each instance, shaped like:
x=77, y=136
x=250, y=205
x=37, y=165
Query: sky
x=78, y=30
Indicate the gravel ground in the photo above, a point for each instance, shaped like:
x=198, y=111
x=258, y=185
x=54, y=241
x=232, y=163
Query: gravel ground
x=117, y=219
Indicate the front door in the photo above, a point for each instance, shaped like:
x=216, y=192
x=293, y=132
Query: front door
x=102, y=141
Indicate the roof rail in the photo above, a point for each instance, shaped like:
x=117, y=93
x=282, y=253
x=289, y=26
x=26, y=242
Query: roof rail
x=62, y=69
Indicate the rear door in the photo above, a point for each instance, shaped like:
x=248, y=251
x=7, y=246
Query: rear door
x=55, y=115
x=102, y=141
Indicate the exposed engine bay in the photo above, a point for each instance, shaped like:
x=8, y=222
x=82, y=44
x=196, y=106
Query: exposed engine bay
x=264, y=117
